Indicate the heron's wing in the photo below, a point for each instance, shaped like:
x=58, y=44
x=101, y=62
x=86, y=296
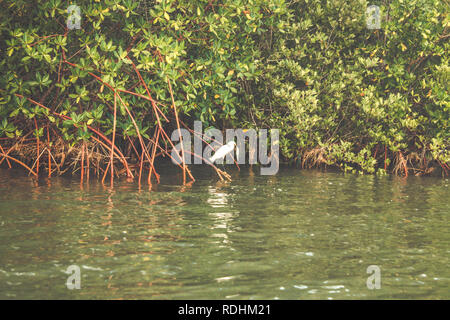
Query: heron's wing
x=221, y=152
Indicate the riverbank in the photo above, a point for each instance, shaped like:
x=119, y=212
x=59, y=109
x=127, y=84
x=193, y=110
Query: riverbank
x=343, y=90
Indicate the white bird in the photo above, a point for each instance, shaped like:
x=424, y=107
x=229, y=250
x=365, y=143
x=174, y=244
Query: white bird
x=223, y=151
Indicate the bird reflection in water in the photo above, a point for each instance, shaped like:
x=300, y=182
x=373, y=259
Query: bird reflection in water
x=219, y=198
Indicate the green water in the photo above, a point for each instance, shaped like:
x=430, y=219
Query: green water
x=297, y=235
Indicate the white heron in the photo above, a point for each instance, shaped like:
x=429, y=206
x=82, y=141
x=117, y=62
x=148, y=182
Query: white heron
x=223, y=151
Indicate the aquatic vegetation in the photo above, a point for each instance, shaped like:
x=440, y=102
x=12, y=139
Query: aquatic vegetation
x=363, y=99
x=108, y=91
x=101, y=98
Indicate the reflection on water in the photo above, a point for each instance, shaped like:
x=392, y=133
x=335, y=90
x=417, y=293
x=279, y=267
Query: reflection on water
x=297, y=235
x=219, y=199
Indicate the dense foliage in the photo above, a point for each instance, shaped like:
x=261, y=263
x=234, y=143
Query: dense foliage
x=340, y=93
x=347, y=95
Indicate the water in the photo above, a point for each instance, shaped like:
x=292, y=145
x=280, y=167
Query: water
x=297, y=235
